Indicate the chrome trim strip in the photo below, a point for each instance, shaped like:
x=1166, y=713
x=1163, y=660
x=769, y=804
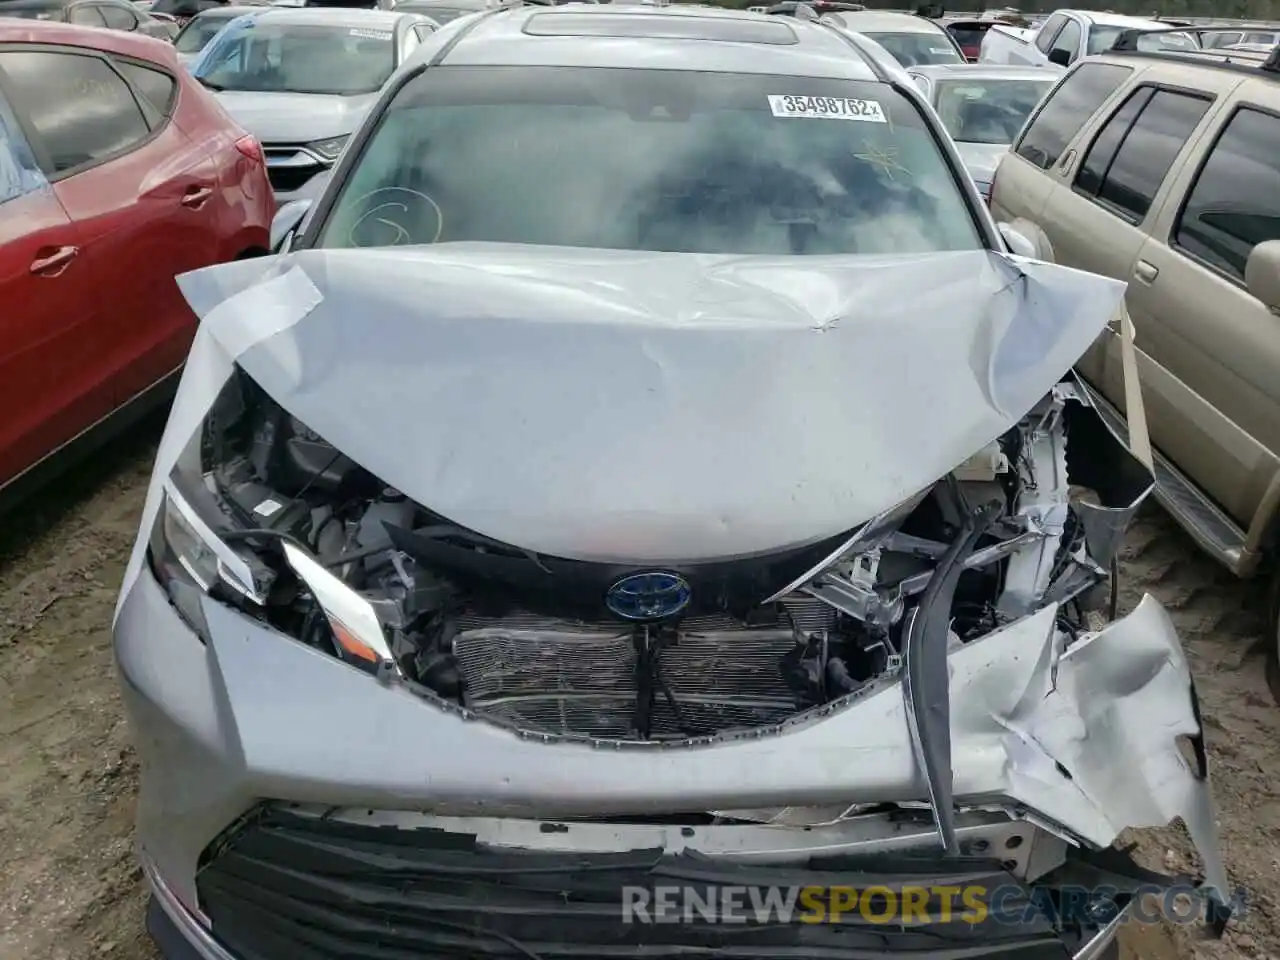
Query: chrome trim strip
x=200, y=939
x=1096, y=946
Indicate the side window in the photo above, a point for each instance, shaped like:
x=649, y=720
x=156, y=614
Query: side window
x=1068, y=107
x=85, y=15
x=1234, y=204
x=155, y=86
x=1069, y=40
x=81, y=110
x=1141, y=150
x=1049, y=32
x=19, y=172
x=1093, y=171
x=118, y=17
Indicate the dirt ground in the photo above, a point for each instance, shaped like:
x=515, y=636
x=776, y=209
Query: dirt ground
x=69, y=888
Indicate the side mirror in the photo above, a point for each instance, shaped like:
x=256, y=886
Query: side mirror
x=284, y=225
x=1060, y=57
x=1025, y=239
x=1262, y=273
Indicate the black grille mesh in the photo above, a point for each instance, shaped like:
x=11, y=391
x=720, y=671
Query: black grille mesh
x=284, y=886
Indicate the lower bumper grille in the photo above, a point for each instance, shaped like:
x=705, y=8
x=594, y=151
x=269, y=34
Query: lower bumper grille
x=286, y=885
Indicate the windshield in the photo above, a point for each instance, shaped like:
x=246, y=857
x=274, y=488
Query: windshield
x=1103, y=38
x=199, y=32
x=918, y=49
x=297, y=58
x=659, y=160
x=988, y=111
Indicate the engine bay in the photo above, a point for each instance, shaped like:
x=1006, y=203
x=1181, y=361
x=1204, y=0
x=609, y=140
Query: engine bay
x=529, y=642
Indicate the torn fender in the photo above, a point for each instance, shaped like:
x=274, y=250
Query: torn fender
x=1091, y=738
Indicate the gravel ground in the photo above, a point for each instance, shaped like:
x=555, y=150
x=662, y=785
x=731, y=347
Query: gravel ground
x=69, y=889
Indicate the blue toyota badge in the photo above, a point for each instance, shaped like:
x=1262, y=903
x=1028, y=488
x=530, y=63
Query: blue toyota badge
x=648, y=596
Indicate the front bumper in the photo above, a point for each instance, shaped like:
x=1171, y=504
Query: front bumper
x=1084, y=744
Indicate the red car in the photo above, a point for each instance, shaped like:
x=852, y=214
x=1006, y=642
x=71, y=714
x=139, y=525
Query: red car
x=968, y=33
x=117, y=172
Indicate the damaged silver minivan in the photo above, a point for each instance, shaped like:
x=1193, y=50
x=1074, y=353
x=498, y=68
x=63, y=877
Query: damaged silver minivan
x=646, y=467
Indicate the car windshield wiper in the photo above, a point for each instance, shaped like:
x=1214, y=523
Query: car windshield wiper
x=209, y=85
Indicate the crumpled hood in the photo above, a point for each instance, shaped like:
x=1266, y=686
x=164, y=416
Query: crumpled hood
x=295, y=117
x=623, y=406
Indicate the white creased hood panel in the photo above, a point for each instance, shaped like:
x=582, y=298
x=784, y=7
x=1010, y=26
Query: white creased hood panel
x=651, y=407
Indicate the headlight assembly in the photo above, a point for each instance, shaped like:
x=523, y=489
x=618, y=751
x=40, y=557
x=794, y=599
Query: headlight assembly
x=330, y=148
x=191, y=559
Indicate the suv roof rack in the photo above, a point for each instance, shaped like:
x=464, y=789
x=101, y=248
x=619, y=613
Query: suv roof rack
x=1127, y=42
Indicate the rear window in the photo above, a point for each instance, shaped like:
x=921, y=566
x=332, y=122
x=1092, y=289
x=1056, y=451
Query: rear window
x=1068, y=108
x=659, y=160
x=918, y=49
x=988, y=111
x=196, y=35
x=968, y=34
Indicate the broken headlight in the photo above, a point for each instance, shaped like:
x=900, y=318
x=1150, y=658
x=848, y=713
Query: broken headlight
x=197, y=549
x=190, y=559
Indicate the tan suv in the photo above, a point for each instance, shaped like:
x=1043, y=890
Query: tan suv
x=1163, y=169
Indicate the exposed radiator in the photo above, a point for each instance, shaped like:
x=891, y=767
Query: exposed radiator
x=561, y=676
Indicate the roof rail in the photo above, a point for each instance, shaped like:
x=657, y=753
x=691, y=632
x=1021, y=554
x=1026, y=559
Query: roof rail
x=1127, y=42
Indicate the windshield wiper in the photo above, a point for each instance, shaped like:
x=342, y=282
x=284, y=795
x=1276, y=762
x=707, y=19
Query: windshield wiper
x=209, y=85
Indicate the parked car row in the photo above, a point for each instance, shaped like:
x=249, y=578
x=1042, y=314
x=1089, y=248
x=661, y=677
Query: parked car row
x=110, y=14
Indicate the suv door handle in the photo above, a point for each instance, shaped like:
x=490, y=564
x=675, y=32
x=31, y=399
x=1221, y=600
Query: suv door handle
x=196, y=196
x=1065, y=163
x=1146, y=272
x=55, y=262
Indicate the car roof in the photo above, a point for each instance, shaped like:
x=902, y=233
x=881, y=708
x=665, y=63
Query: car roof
x=877, y=21
x=410, y=5
x=328, y=16
x=639, y=38
x=15, y=30
x=984, y=71
x=1120, y=20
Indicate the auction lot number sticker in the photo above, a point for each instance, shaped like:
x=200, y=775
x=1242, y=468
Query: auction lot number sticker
x=826, y=108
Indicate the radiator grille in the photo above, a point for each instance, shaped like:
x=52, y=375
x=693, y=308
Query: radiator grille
x=572, y=678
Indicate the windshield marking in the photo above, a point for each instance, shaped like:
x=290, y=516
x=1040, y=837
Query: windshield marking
x=826, y=108
x=369, y=34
